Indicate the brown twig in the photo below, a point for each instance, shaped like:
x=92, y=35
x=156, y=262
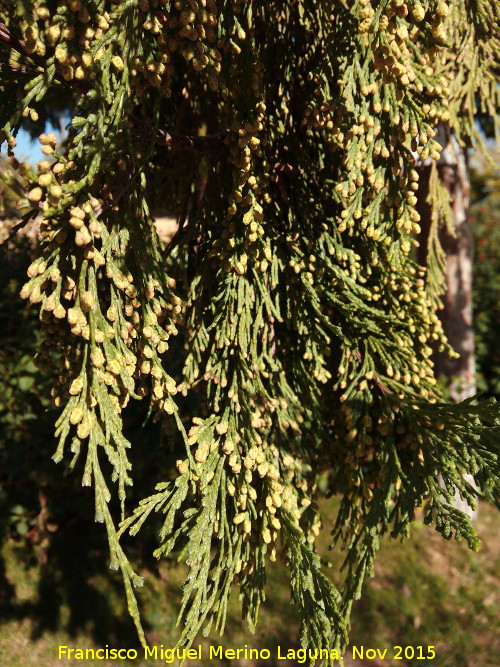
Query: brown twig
x=206, y=145
x=377, y=379
x=18, y=69
x=8, y=38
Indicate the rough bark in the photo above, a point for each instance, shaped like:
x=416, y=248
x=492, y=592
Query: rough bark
x=456, y=315
x=457, y=243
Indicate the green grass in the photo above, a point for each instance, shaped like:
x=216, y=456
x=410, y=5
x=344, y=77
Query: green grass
x=426, y=592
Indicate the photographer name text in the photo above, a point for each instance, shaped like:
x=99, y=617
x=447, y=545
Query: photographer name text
x=299, y=656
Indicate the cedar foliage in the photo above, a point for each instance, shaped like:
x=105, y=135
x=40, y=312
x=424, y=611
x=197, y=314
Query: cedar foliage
x=286, y=137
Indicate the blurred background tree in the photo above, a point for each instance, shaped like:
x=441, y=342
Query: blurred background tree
x=485, y=221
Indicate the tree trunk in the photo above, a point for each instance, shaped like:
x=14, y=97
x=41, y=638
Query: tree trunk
x=457, y=243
